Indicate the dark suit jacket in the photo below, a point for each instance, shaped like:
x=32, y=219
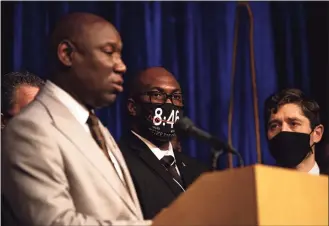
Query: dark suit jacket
x=324, y=171
x=154, y=185
x=7, y=214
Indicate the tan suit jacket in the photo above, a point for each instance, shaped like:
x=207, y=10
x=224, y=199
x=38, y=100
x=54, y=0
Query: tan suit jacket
x=54, y=173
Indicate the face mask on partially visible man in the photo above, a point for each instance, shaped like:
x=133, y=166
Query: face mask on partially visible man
x=156, y=121
x=290, y=148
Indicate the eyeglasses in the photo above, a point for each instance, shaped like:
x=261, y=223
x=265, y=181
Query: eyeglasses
x=157, y=97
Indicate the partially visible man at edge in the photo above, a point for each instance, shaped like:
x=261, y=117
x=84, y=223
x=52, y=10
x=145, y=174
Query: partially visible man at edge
x=293, y=128
x=64, y=166
x=160, y=172
x=18, y=89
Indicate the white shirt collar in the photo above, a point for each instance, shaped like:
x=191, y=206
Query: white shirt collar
x=156, y=151
x=77, y=110
x=315, y=170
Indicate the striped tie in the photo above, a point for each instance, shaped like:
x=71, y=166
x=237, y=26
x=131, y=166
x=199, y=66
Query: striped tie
x=97, y=133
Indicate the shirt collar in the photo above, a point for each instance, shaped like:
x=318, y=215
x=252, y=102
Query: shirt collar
x=77, y=110
x=315, y=170
x=156, y=151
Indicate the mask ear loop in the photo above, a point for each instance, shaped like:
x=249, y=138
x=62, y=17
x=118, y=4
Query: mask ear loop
x=311, y=152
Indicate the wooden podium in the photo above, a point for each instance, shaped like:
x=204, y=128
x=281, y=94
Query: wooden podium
x=255, y=195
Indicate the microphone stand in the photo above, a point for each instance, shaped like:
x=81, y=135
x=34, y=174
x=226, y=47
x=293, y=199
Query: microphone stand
x=218, y=152
x=215, y=155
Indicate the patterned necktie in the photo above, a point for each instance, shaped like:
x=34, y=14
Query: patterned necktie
x=100, y=140
x=169, y=163
x=97, y=133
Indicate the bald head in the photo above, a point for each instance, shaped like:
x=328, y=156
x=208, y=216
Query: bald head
x=155, y=104
x=87, y=59
x=72, y=28
x=153, y=78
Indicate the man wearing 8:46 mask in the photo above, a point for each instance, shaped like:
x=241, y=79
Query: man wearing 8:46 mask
x=160, y=174
x=293, y=129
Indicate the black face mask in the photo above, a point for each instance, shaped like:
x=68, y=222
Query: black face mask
x=156, y=121
x=290, y=148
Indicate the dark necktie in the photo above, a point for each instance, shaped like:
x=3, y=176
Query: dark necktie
x=169, y=163
x=97, y=133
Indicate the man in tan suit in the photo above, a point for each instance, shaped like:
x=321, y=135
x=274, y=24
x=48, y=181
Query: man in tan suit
x=18, y=89
x=62, y=166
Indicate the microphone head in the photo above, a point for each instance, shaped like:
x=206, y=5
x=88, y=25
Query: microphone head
x=183, y=126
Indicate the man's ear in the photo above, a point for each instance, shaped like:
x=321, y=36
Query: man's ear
x=131, y=107
x=317, y=133
x=64, y=52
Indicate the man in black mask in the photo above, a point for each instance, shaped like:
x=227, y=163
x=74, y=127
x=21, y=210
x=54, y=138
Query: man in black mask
x=293, y=128
x=159, y=172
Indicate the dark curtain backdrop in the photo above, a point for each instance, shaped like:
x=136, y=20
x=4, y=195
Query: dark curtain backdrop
x=228, y=57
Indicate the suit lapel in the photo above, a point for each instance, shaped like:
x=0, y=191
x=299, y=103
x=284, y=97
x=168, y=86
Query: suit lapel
x=118, y=155
x=67, y=124
x=152, y=162
x=184, y=170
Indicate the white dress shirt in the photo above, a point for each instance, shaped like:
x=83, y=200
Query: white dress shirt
x=156, y=151
x=315, y=170
x=82, y=115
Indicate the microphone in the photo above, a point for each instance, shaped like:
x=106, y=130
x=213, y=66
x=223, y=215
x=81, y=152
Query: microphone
x=185, y=126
